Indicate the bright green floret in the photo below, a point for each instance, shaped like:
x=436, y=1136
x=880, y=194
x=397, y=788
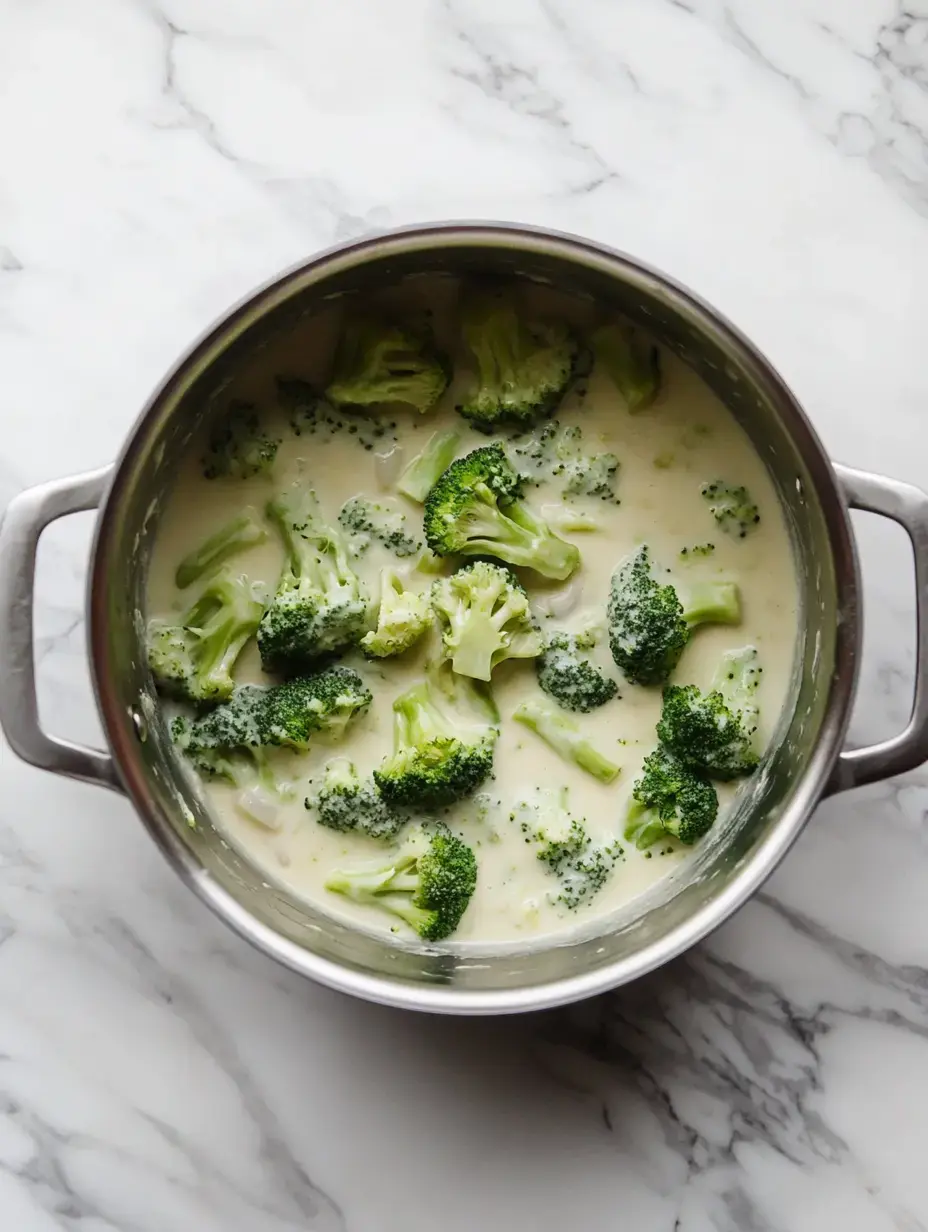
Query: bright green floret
x=427, y=883
x=236, y=536
x=649, y=627
x=732, y=508
x=474, y=510
x=377, y=363
x=669, y=800
x=523, y=366
x=564, y=845
x=320, y=607
x=716, y=732
x=565, y=738
x=238, y=447
x=194, y=660
x=425, y=468
x=633, y=363
x=365, y=519
x=437, y=759
x=403, y=617
x=346, y=803
x=485, y=618
x=566, y=675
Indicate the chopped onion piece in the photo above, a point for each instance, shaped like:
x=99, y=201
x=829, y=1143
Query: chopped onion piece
x=260, y=805
x=388, y=466
x=561, y=602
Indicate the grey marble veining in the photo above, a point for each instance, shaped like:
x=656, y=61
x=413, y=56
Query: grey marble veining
x=157, y=159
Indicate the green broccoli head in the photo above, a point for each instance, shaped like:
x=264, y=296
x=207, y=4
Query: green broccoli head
x=404, y=616
x=715, y=733
x=571, y=679
x=324, y=703
x=237, y=446
x=731, y=507
x=194, y=660
x=427, y=883
x=485, y=618
x=320, y=607
x=345, y=803
x=365, y=519
x=437, y=759
x=565, y=738
x=236, y=536
x=524, y=367
x=563, y=843
x=474, y=510
x=633, y=363
x=377, y=363
x=669, y=800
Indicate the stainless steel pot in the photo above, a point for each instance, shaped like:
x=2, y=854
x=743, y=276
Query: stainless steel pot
x=805, y=763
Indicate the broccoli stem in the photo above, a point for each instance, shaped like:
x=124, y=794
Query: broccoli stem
x=241, y=533
x=713, y=603
x=565, y=739
x=517, y=538
x=421, y=473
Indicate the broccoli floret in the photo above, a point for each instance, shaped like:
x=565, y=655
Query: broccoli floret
x=485, y=617
x=364, y=519
x=345, y=803
x=563, y=736
x=633, y=363
x=238, y=447
x=572, y=680
x=474, y=510
x=696, y=551
x=195, y=659
x=403, y=617
x=556, y=452
x=377, y=363
x=236, y=536
x=523, y=366
x=716, y=732
x=472, y=699
x=437, y=759
x=310, y=414
x=425, y=468
x=669, y=799
x=731, y=507
x=564, y=845
x=324, y=703
x=649, y=627
x=427, y=883
x=320, y=606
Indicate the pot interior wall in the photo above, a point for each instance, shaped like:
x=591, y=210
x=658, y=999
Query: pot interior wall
x=152, y=772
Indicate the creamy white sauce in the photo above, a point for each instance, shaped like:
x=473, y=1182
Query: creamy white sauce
x=666, y=454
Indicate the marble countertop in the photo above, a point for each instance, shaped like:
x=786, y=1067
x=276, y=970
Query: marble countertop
x=157, y=159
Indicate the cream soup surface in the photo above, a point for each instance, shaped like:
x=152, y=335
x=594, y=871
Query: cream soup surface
x=666, y=454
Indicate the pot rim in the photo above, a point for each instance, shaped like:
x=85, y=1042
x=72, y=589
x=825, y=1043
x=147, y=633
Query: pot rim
x=762, y=860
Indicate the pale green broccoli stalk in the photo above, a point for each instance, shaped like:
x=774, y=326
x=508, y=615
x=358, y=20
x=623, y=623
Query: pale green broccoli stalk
x=669, y=801
x=320, y=607
x=437, y=759
x=365, y=519
x=731, y=507
x=633, y=363
x=564, y=737
x=524, y=366
x=404, y=616
x=422, y=472
x=238, y=447
x=377, y=363
x=565, y=674
x=485, y=618
x=194, y=660
x=563, y=844
x=235, y=537
x=427, y=882
x=474, y=510
x=346, y=803
x=472, y=699
x=716, y=733
x=649, y=626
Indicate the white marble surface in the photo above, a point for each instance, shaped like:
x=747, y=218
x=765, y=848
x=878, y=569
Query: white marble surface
x=159, y=157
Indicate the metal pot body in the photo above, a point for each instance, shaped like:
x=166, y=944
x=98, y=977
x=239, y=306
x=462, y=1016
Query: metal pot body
x=805, y=761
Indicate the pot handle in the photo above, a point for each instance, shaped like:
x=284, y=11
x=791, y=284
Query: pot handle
x=907, y=505
x=27, y=515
